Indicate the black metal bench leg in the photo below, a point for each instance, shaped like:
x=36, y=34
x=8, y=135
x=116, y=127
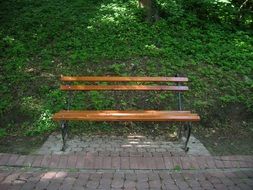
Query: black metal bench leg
x=188, y=134
x=64, y=126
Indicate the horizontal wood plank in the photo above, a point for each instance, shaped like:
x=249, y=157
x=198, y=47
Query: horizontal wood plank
x=110, y=115
x=150, y=112
x=122, y=79
x=123, y=87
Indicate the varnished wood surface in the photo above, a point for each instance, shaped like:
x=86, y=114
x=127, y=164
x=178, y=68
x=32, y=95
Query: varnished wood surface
x=122, y=79
x=110, y=115
x=123, y=87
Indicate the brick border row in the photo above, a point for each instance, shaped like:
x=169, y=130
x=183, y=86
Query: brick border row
x=93, y=161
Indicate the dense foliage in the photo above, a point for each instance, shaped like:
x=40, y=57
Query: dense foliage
x=209, y=41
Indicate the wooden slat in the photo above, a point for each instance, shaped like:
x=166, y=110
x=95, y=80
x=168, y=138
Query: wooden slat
x=123, y=87
x=151, y=112
x=122, y=79
x=126, y=116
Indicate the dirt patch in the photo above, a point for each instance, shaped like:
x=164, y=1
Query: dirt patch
x=226, y=141
x=21, y=145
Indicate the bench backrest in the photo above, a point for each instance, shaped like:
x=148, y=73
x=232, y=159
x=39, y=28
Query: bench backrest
x=141, y=87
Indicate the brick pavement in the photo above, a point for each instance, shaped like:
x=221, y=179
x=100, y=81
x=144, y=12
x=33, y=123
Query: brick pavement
x=26, y=179
x=130, y=143
x=126, y=161
x=122, y=170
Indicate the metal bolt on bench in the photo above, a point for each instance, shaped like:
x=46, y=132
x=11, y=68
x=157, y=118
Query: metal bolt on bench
x=127, y=115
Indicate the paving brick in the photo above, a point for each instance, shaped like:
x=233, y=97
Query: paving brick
x=92, y=184
x=227, y=164
x=176, y=162
x=124, y=163
x=182, y=184
x=68, y=182
x=193, y=184
x=165, y=176
x=202, y=162
x=98, y=162
x=114, y=154
x=133, y=154
x=206, y=184
x=141, y=177
x=20, y=161
x=46, y=161
x=245, y=187
x=107, y=175
x=159, y=162
x=81, y=179
x=130, y=177
x=89, y=162
x=119, y=175
x=4, y=158
x=155, y=184
x=142, y=185
x=12, y=160
x=210, y=163
x=91, y=154
x=29, y=160
x=166, y=154
x=138, y=163
x=54, y=161
x=170, y=186
x=48, y=175
x=130, y=188
x=194, y=162
x=150, y=163
x=105, y=184
x=168, y=163
x=116, y=162
x=214, y=180
x=153, y=176
x=186, y=164
x=177, y=177
x=62, y=162
x=11, y=177
x=37, y=161
x=117, y=183
x=80, y=161
x=42, y=184
x=54, y=185
x=95, y=176
x=4, y=174
x=134, y=162
x=220, y=186
x=218, y=162
x=124, y=154
x=128, y=184
x=249, y=160
x=71, y=163
x=107, y=162
x=147, y=154
x=8, y=186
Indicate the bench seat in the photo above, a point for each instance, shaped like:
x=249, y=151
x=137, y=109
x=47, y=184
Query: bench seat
x=130, y=115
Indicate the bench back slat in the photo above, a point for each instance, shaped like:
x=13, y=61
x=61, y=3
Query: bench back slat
x=123, y=87
x=122, y=79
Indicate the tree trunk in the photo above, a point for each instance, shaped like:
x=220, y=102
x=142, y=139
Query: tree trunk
x=150, y=9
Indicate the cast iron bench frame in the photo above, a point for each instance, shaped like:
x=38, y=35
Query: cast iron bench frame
x=128, y=115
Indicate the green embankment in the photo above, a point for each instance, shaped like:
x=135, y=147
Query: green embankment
x=40, y=40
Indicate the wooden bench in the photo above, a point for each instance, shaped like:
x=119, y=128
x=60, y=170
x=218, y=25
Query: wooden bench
x=126, y=115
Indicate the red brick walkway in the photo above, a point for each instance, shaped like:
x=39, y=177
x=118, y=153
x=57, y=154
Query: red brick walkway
x=132, y=161
x=125, y=171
